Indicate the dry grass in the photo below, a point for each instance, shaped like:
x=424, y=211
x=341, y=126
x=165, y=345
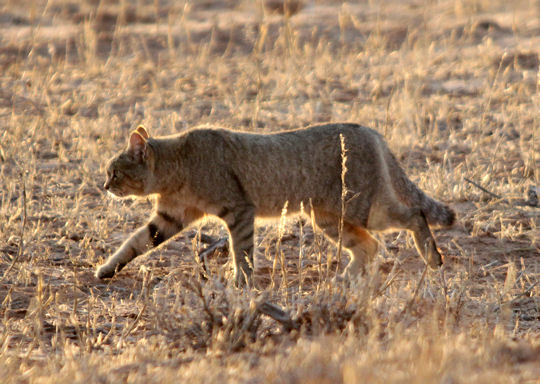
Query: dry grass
x=453, y=86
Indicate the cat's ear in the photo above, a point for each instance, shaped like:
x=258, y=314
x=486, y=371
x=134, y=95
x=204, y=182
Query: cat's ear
x=137, y=145
x=143, y=132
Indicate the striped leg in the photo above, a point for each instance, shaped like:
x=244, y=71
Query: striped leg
x=161, y=227
x=240, y=222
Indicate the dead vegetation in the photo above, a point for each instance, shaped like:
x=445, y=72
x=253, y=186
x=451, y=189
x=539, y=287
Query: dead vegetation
x=453, y=86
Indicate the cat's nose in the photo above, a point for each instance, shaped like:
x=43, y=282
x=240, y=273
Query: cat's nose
x=106, y=185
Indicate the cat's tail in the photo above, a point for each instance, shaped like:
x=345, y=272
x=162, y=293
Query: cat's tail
x=437, y=213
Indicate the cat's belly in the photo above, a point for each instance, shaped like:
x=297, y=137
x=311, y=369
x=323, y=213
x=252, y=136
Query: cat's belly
x=276, y=207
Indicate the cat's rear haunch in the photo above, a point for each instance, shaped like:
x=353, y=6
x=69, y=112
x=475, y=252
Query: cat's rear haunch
x=238, y=176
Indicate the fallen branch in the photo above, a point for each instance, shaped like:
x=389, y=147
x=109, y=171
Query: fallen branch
x=279, y=315
x=482, y=188
x=131, y=327
x=221, y=245
x=203, y=238
x=531, y=201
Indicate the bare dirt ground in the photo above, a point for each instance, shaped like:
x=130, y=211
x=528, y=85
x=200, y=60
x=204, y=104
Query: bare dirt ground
x=452, y=85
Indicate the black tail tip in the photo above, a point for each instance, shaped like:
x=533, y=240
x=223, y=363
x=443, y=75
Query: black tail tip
x=450, y=218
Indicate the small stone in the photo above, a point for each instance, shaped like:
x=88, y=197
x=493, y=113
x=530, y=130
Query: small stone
x=532, y=196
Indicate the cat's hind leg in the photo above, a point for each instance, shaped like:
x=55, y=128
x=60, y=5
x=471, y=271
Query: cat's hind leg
x=358, y=241
x=412, y=219
x=363, y=249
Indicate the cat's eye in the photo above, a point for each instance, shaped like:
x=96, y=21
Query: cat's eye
x=113, y=175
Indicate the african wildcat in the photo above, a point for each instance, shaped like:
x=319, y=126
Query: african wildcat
x=237, y=176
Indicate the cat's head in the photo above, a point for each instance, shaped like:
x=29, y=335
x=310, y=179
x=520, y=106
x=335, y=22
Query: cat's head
x=130, y=172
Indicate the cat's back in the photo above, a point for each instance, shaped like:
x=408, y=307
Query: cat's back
x=300, y=164
x=315, y=148
x=314, y=136
x=303, y=140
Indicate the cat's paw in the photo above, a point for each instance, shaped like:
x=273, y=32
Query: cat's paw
x=243, y=279
x=434, y=257
x=104, y=272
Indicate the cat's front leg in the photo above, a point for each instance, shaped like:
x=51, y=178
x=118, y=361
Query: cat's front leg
x=161, y=227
